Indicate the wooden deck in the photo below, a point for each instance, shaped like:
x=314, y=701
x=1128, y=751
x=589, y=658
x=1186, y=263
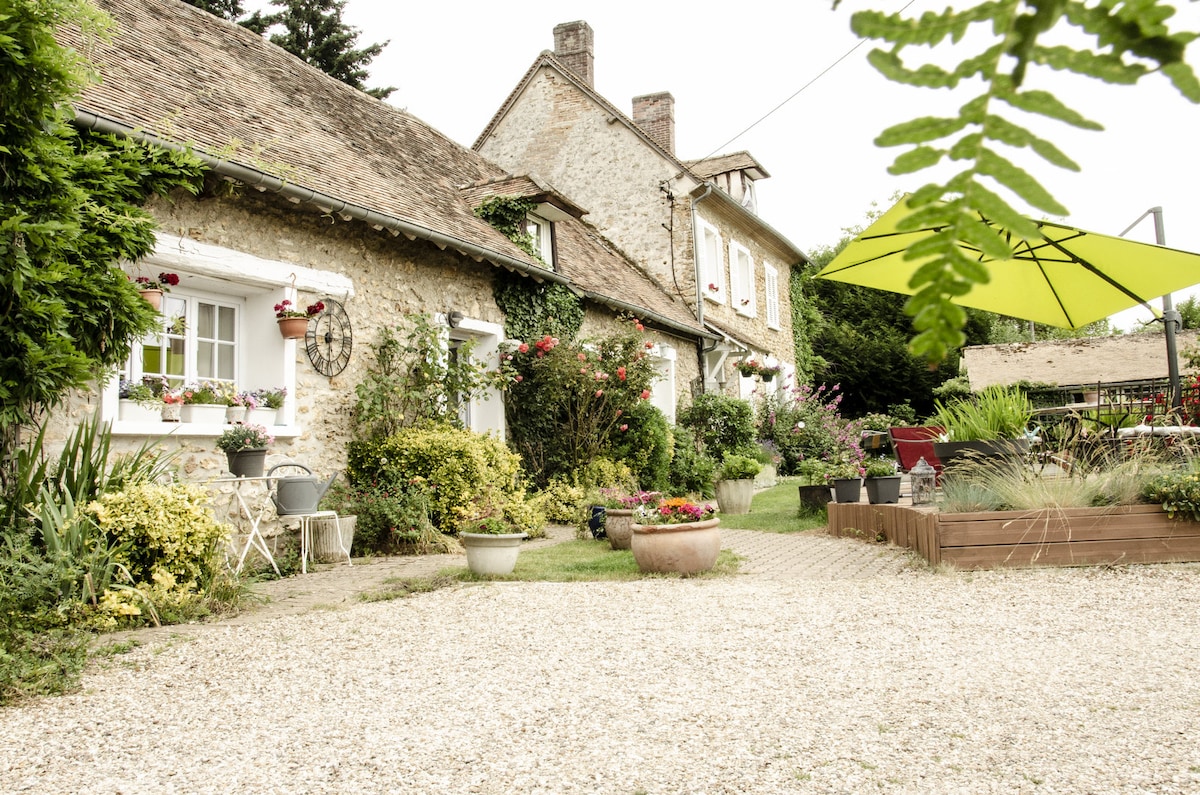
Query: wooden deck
x=1048, y=537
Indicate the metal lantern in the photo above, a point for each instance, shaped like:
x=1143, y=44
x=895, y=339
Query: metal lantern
x=924, y=481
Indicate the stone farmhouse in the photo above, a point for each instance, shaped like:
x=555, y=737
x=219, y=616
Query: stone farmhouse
x=691, y=224
x=320, y=192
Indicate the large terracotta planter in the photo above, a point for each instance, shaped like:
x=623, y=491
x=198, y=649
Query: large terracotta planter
x=492, y=555
x=686, y=548
x=734, y=495
x=618, y=525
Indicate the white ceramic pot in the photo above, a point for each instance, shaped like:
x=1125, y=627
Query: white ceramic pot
x=491, y=555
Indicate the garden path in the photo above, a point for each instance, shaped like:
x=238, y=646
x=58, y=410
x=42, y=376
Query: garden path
x=805, y=556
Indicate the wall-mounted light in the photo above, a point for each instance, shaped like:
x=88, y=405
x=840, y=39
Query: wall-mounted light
x=454, y=318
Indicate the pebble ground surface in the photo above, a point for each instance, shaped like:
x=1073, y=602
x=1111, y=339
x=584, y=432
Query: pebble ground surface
x=828, y=666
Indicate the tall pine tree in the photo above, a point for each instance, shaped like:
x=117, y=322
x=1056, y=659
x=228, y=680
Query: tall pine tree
x=313, y=31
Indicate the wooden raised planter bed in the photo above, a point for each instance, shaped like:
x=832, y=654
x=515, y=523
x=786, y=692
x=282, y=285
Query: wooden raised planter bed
x=1048, y=537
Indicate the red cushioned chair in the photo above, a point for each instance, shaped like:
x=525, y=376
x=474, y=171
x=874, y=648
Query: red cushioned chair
x=913, y=444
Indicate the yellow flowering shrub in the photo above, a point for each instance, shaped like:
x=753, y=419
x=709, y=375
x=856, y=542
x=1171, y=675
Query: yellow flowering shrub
x=170, y=529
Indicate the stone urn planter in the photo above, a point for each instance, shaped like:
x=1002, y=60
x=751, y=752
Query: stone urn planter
x=618, y=525
x=734, y=495
x=491, y=554
x=883, y=491
x=685, y=547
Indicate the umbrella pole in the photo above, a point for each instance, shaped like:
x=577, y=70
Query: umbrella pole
x=1171, y=318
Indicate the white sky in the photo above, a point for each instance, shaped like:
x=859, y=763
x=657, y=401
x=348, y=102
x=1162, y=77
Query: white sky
x=454, y=63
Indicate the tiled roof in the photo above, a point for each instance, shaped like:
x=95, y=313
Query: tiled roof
x=184, y=75
x=734, y=161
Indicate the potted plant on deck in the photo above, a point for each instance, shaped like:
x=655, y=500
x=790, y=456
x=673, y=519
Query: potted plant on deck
x=989, y=424
x=245, y=447
x=815, y=489
x=846, y=478
x=882, y=480
x=492, y=545
x=675, y=536
x=735, y=483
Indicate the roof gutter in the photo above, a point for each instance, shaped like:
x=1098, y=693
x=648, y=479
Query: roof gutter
x=645, y=314
x=265, y=182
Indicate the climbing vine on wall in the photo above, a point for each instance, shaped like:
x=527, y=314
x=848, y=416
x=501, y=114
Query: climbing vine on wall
x=507, y=214
x=532, y=310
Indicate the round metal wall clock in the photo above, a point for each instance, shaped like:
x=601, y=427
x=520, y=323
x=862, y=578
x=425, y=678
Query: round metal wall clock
x=329, y=339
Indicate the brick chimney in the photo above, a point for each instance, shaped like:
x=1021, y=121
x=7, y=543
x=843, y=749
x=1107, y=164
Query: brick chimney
x=573, y=46
x=655, y=114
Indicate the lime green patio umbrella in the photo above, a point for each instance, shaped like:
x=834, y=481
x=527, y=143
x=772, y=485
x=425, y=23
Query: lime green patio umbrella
x=1069, y=278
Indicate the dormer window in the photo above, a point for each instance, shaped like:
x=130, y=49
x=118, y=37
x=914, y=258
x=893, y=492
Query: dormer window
x=541, y=233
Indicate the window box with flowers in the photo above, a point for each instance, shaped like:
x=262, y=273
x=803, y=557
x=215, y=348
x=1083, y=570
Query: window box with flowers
x=139, y=403
x=293, y=321
x=675, y=536
x=205, y=402
x=152, y=289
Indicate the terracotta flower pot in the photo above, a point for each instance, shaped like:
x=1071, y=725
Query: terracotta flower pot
x=618, y=525
x=293, y=328
x=153, y=297
x=686, y=548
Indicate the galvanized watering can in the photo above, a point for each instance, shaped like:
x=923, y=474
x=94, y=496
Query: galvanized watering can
x=297, y=494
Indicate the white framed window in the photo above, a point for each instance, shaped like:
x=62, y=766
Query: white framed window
x=710, y=264
x=741, y=280
x=771, y=285
x=542, y=233
x=199, y=340
x=219, y=325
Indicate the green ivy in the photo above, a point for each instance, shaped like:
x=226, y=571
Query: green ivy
x=531, y=311
x=507, y=214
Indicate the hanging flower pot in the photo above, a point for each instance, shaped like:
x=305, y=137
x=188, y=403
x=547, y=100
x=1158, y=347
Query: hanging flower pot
x=293, y=328
x=153, y=297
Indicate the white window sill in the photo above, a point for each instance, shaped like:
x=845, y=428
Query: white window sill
x=131, y=428
x=747, y=311
x=716, y=298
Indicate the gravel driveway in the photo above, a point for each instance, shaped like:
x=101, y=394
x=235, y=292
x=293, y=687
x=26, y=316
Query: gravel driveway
x=1043, y=681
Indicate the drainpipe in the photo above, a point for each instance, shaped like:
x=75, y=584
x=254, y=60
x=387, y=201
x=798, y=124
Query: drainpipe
x=331, y=204
x=700, y=349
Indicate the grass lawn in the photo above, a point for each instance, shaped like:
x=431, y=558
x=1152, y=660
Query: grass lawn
x=776, y=510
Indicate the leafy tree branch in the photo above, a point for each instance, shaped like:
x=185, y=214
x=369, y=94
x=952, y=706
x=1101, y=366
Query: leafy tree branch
x=1129, y=40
